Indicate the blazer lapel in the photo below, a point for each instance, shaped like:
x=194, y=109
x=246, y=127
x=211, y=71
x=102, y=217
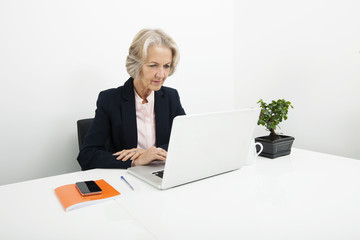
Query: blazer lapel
x=128, y=114
x=161, y=115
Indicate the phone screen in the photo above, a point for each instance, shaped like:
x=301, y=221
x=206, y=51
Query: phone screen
x=88, y=188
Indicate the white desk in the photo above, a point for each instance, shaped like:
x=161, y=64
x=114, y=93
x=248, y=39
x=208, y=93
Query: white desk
x=305, y=195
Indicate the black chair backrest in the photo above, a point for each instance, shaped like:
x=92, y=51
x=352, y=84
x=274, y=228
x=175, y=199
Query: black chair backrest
x=83, y=126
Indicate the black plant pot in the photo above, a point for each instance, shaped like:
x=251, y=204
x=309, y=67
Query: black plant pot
x=275, y=148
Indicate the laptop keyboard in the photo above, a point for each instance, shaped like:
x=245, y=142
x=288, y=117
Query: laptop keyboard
x=159, y=173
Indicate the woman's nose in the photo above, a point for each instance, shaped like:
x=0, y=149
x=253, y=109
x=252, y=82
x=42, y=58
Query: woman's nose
x=160, y=73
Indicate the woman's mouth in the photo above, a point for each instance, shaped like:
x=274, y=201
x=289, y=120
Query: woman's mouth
x=157, y=81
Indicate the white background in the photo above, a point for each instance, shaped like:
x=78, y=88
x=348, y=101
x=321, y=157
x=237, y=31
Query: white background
x=307, y=52
x=56, y=56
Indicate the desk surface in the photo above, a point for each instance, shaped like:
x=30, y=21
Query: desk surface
x=305, y=195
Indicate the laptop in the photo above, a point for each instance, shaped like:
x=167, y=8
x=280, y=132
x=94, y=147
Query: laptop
x=202, y=146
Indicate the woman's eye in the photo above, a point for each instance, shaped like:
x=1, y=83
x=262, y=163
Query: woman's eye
x=166, y=66
x=153, y=65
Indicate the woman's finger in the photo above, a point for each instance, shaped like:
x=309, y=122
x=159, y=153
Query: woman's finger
x=124, y=151
x=123, y=154
x=129, y=155
x=117, y=153
x=126, y=156
x=161, y=150
x=162, y=153
x=159, y=157
x=135, y=156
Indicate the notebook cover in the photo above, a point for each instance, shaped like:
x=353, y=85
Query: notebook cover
x=70, y=197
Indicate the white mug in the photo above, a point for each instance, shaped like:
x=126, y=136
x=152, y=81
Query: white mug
x=253, y=154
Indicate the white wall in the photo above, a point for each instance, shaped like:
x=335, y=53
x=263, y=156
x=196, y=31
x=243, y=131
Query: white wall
x=56, y=56
x=307, y=52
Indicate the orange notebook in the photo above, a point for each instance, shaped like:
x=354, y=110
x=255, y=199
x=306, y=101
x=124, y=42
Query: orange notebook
x=70, y=197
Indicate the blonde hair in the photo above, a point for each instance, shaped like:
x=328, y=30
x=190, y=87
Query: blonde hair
x=140, y=45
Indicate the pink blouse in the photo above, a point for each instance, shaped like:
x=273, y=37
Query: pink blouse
x=145, y=119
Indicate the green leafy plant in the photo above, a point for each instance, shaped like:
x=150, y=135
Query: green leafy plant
x=273, y=114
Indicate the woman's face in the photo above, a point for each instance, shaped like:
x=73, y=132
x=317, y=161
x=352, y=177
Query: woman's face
x=155, y=69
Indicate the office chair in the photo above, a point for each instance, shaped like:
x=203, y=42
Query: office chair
x=83, y=126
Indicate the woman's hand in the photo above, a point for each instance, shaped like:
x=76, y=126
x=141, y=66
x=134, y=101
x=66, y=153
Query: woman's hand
x=141, y=156
x=127, y=154
x=150, y=155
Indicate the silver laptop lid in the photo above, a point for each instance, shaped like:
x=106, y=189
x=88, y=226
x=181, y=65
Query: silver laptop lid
x=204, y=145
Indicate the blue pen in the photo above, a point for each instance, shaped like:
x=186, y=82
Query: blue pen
x=122, y=177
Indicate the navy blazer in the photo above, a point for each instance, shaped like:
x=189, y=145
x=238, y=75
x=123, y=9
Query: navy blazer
x=115, y=121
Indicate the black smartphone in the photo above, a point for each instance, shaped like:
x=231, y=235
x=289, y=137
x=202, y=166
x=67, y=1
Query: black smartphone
x=88, y=188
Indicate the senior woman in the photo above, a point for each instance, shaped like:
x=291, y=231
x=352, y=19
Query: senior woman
x=136, y=118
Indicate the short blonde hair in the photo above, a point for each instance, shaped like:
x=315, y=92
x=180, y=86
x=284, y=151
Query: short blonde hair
x=139, y=47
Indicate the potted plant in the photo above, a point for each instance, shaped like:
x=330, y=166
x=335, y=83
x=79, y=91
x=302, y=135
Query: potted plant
x=275, y=145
